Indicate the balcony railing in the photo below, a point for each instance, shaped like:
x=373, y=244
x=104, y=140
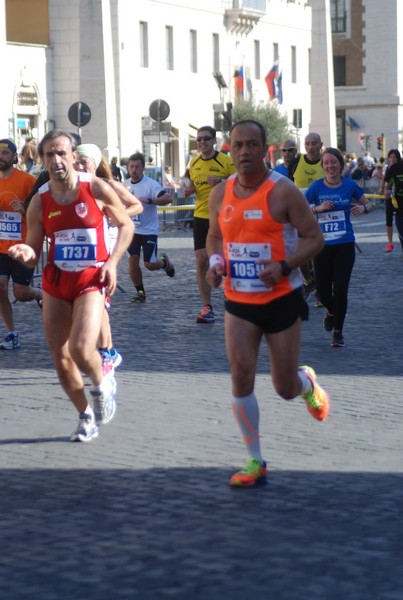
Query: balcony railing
x=245, y=5
x=242, y=15
x=339, y=24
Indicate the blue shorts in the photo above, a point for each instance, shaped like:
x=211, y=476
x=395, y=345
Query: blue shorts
x=18, y=272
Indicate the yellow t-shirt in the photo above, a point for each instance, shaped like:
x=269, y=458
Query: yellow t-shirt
x=219, y=165
x=306, y=173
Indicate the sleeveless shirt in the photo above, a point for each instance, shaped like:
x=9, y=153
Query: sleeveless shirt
x=305, y=173
x=78, y=232
x=250, y=234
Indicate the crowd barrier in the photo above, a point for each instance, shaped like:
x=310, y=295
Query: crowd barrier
x=42, y=261
x=378, y=197
x=178, y=215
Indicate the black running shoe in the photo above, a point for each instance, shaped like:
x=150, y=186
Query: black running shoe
x=338, y=341
x=168, y=266
x=139, y=298
x=308, y=287
x=328, y=322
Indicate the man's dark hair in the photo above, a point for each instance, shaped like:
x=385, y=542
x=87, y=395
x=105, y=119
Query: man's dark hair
x=252, y=122
x=138, y=156
x=76, y=137
x=208, y=128
x=52, y=135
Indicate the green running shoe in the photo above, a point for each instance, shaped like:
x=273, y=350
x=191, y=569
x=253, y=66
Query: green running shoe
x=317, y=400
x=254, y=473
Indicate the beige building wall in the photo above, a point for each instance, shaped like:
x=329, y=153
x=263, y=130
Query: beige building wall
x=373, y=93
x=27, y=21
x=4, y=97
x=94, y=57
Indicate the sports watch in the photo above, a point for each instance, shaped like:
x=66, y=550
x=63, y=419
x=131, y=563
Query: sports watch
x=285, y=268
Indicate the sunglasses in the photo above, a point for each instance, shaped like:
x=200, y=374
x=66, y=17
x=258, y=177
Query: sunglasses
x=205, y=138
x=288, y=149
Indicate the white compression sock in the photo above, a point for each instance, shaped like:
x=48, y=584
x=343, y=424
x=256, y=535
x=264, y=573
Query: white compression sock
x=306, y=383
x=246, y=411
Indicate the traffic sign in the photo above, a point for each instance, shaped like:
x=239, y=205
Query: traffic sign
x=159, y=110
x=153, y=137
x=79, y=114
x=166, y=126
x=361, y=137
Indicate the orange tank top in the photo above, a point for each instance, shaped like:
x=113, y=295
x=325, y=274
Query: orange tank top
x=251, y=234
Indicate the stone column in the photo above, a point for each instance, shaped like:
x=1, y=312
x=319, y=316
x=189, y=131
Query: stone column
x=323, y=111
x=97, y=74
x=4, y=98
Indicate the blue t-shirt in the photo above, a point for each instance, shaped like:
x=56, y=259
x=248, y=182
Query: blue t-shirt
x=282, y=169
x=335, y=223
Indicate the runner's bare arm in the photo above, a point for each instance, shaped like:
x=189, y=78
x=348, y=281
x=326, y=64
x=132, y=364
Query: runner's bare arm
x=214, y=244
x=114, y=209
x=132, y=204
x=109, y=202
x=289, y=205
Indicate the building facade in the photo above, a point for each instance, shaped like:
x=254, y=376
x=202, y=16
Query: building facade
x=119, y=57
x=367, y=74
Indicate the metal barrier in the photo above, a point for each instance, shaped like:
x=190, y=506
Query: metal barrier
x=377, y=197
x=43, y=259
x=178, y=215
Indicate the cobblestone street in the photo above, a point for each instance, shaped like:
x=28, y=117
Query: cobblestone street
x=145, y=511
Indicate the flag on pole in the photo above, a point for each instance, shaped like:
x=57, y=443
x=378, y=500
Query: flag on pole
x=280, y=87
x=239, y=82
x=274, y=82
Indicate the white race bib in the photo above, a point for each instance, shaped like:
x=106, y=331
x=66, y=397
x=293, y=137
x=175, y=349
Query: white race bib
x=332, y=224
x=243, y=270
x=10, y=226
x=75, y=249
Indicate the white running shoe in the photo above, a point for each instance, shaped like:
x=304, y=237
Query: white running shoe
x=10, y=342
x=104, y=400
x=86, y=430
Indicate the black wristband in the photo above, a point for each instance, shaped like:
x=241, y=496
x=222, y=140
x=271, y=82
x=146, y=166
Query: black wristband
x=285, y=268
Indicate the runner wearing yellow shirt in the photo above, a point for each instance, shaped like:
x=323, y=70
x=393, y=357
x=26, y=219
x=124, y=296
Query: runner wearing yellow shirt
x=207, y=169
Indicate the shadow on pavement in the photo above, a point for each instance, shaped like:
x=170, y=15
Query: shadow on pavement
x=36, y=440
x=183, y=533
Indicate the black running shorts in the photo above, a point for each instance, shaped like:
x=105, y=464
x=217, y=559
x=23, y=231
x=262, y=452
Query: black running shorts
x=200, y=231
x=274, y=316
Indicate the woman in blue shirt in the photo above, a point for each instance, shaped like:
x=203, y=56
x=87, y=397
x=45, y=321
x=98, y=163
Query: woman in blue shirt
x=333, y=200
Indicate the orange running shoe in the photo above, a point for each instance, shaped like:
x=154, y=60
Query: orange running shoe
x=254, y=473
x=317, y=400
x=206, y=315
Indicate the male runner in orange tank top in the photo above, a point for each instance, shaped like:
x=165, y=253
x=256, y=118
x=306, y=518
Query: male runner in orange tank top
x=253, y=243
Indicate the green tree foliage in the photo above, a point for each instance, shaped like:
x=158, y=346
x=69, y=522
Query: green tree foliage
x=276, y=124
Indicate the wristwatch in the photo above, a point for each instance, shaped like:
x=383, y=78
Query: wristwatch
x=285, y=268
